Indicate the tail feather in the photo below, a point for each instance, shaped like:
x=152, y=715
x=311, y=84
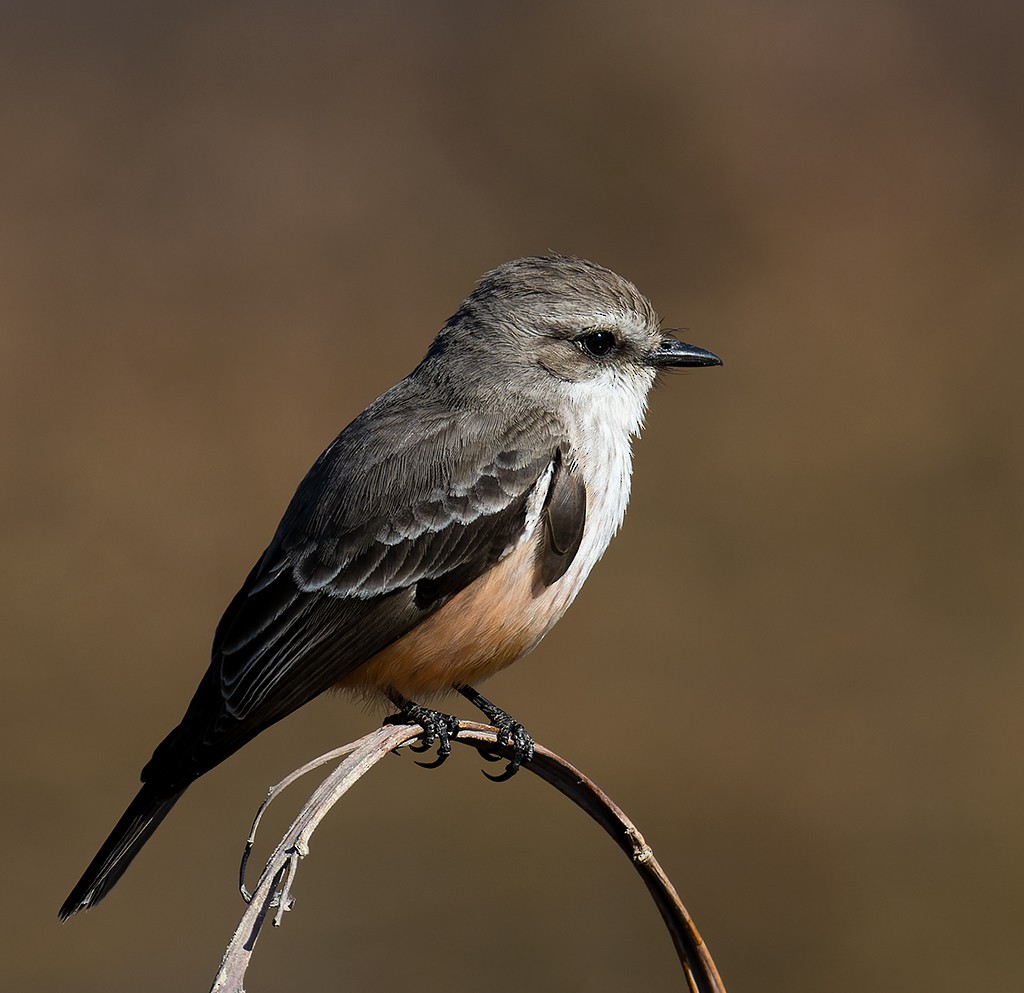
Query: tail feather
x=131, y=832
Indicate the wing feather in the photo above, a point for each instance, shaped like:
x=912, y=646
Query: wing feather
x=565, y=517
x=389, y=524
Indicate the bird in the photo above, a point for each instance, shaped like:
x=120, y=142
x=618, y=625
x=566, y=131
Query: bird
x=441, y=534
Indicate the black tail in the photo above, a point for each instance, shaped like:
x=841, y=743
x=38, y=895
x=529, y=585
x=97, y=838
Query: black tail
x=132, y=831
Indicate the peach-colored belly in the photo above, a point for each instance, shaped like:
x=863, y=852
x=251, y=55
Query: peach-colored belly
x=477, y=633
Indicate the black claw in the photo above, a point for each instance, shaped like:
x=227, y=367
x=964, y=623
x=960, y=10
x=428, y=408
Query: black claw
x=437, y=727
x=511, y=735
x=442, y=757
x=502, y=777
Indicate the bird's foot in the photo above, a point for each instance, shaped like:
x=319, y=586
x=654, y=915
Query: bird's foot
x=437, y=727
x=511, y=735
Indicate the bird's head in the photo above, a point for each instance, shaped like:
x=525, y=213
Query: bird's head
x=555, y=328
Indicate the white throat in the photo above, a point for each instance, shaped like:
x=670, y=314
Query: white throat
x=602, y=418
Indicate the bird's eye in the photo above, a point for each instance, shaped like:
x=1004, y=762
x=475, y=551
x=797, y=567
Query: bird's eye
x=598, y=343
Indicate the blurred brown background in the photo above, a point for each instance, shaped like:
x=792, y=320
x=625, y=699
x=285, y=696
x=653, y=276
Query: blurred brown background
x=226, y=227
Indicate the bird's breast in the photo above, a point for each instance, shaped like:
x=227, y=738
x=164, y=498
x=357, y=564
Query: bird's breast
x=504, y=613
x=488, y=625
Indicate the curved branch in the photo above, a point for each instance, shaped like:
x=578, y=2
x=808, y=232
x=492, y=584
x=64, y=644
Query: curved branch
x=273, y=891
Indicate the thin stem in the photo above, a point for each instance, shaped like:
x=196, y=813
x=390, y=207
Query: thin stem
x=275, y=884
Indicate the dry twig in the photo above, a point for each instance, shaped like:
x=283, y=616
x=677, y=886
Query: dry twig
x=273, y=892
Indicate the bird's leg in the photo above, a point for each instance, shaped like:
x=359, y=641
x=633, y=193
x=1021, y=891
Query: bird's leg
x=436, y=725
x=511, y=734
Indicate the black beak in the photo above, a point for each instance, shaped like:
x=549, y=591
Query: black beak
x=672, y=354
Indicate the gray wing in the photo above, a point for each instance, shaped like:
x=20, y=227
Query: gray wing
x=396, y=517
x=565, y=516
